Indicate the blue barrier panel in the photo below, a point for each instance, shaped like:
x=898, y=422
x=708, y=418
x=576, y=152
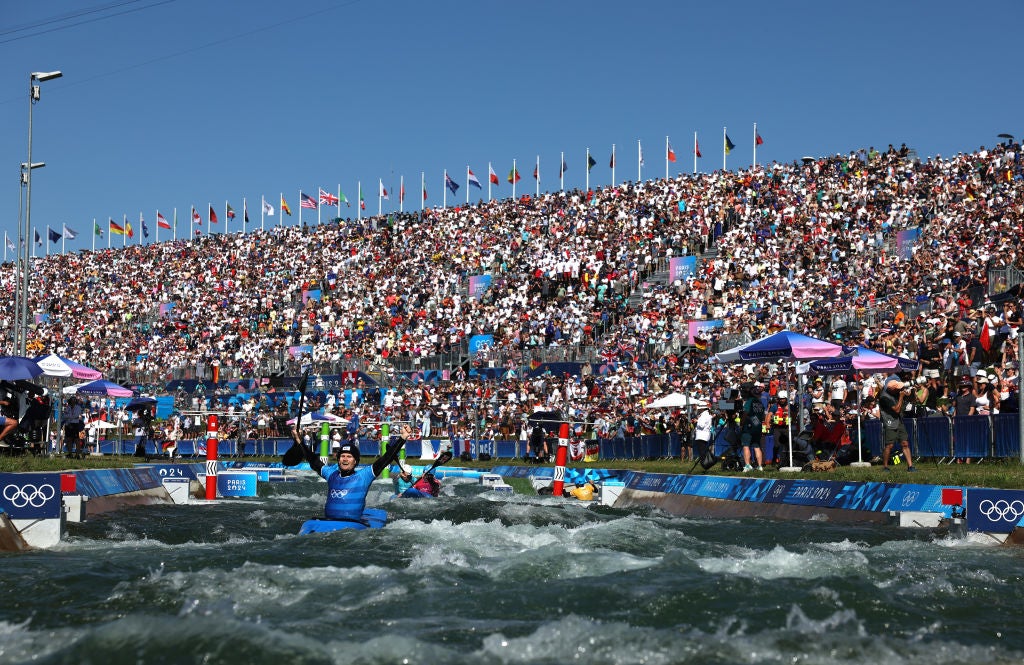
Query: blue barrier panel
x=1006, y=433
x=506, y=448
x=186, y=448
x=414, y=448
x=871, y=432
x=934, y=437
x=971, y=436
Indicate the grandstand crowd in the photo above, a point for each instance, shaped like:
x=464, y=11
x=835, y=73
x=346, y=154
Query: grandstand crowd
x=778, y=246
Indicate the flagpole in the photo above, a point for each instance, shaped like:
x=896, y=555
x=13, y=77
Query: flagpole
x=47, y=240
x=587, y=165
x=695, y=153
x=359, y=204
x=489, y=183
x=612, y=165
x=5, y=246
x=227, y=218
x=94, y=226
x=724, y=153
x=423, y=191
x=192, y=224
x=380, y=196
x=157, y=227
x=444, y=190
x=245, y=214
x=755, y=145
x=141, y=222
x=666, y=158
x=109, y=232
x=64, y=240
x=280, y=212
x=639, y=161
x=537, y=171
x=174, y=231
x=561, y=172
x=339, y=201
x=514, y=174
x=318, y=205
x=124, y=226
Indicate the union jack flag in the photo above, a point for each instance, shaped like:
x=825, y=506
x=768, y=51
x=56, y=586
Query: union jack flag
x=306, y=201
x=328, y=199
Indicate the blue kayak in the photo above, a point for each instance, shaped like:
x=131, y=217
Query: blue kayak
x=373, y=518
x=413, y=493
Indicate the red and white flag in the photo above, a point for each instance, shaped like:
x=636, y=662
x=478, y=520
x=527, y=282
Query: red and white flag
x=196, y=219
x=383, y=192
x=985, y=338
x=328, y=199
x=161, y=221
x=492, y=175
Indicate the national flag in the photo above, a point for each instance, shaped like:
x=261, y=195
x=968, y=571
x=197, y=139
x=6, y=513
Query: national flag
x=129, y=231
x=492, y=175
x=611, y=162
x=362, y=202
x=231, y=211
x=196, y=219
x=513, y=176
x=534, y=363
x=97, y=230
x=307, y=201
x=424, y=193
x=561, y=171
x=536, y=172
x=671, y=153
x=328, y=199
x=213, y=215
x=245, y=212
x=162, y=222
x=591, y=162
x=116, y=228
x=757, y=139
x=696, y=148
x=450, y=184
x=985, y=338
x=54, y=236
x=145, y=229
x=268, y=209
x=344, y=199
x=401, y=192
x=729, y=145
x=640, y=151
x=39, y=241
x=10, y=243
x=383, y=192
x=472, y=178
x=284, y=207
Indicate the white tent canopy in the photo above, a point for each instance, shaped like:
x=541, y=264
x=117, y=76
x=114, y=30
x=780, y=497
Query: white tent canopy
x=675, y=401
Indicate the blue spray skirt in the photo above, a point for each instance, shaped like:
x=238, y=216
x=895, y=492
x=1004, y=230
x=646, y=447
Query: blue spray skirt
x=373, y=518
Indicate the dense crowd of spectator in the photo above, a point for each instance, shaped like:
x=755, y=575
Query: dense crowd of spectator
x=779, y=246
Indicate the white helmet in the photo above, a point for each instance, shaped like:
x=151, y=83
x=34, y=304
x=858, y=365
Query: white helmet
x=783, y=394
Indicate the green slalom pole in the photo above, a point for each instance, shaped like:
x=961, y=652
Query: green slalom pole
x=325, y=442
x=385, y=439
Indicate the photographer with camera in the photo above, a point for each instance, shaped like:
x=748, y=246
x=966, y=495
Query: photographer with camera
x=895, y=393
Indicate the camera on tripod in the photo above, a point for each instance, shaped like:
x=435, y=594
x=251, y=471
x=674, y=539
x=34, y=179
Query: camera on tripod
x=29, y=405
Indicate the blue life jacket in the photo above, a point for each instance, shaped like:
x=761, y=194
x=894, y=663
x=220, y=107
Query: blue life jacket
x=346, y=495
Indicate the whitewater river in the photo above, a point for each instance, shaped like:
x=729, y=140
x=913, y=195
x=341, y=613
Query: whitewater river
x=476, y=577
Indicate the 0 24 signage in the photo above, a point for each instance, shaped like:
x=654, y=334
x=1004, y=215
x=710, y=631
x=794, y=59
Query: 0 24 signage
x=30, y=495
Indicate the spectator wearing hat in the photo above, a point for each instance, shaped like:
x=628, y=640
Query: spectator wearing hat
x=703, y=429
x=963, y=403
x=403, y=476
x=780, y=422
x=986, y=400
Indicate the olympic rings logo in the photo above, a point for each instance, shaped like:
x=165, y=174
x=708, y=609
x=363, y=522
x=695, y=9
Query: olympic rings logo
x=29, y=495
x=1002, y=510
x=910, y=498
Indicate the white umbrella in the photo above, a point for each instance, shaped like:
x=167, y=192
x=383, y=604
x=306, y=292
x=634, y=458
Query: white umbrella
x=100, y=424
x=311, y=418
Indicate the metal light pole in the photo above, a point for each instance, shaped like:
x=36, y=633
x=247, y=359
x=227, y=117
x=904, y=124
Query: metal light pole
x=16, y=328
x=33, y=96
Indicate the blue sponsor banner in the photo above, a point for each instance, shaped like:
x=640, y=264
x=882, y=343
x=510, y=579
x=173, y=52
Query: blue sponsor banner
x=478, y=343
x=236, y=483
x=105, y=482
x=995, y=511
x=681, y=267
x=30, y=495
x=190, y=471
x=811, y=493
x=864, y=496
x=478, y=284
x=927, y=498
x=649, y=482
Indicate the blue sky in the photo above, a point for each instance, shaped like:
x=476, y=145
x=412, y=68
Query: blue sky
x=167, y=104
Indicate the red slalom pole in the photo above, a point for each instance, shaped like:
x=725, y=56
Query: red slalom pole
x=563, y=450
x=211, y=457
